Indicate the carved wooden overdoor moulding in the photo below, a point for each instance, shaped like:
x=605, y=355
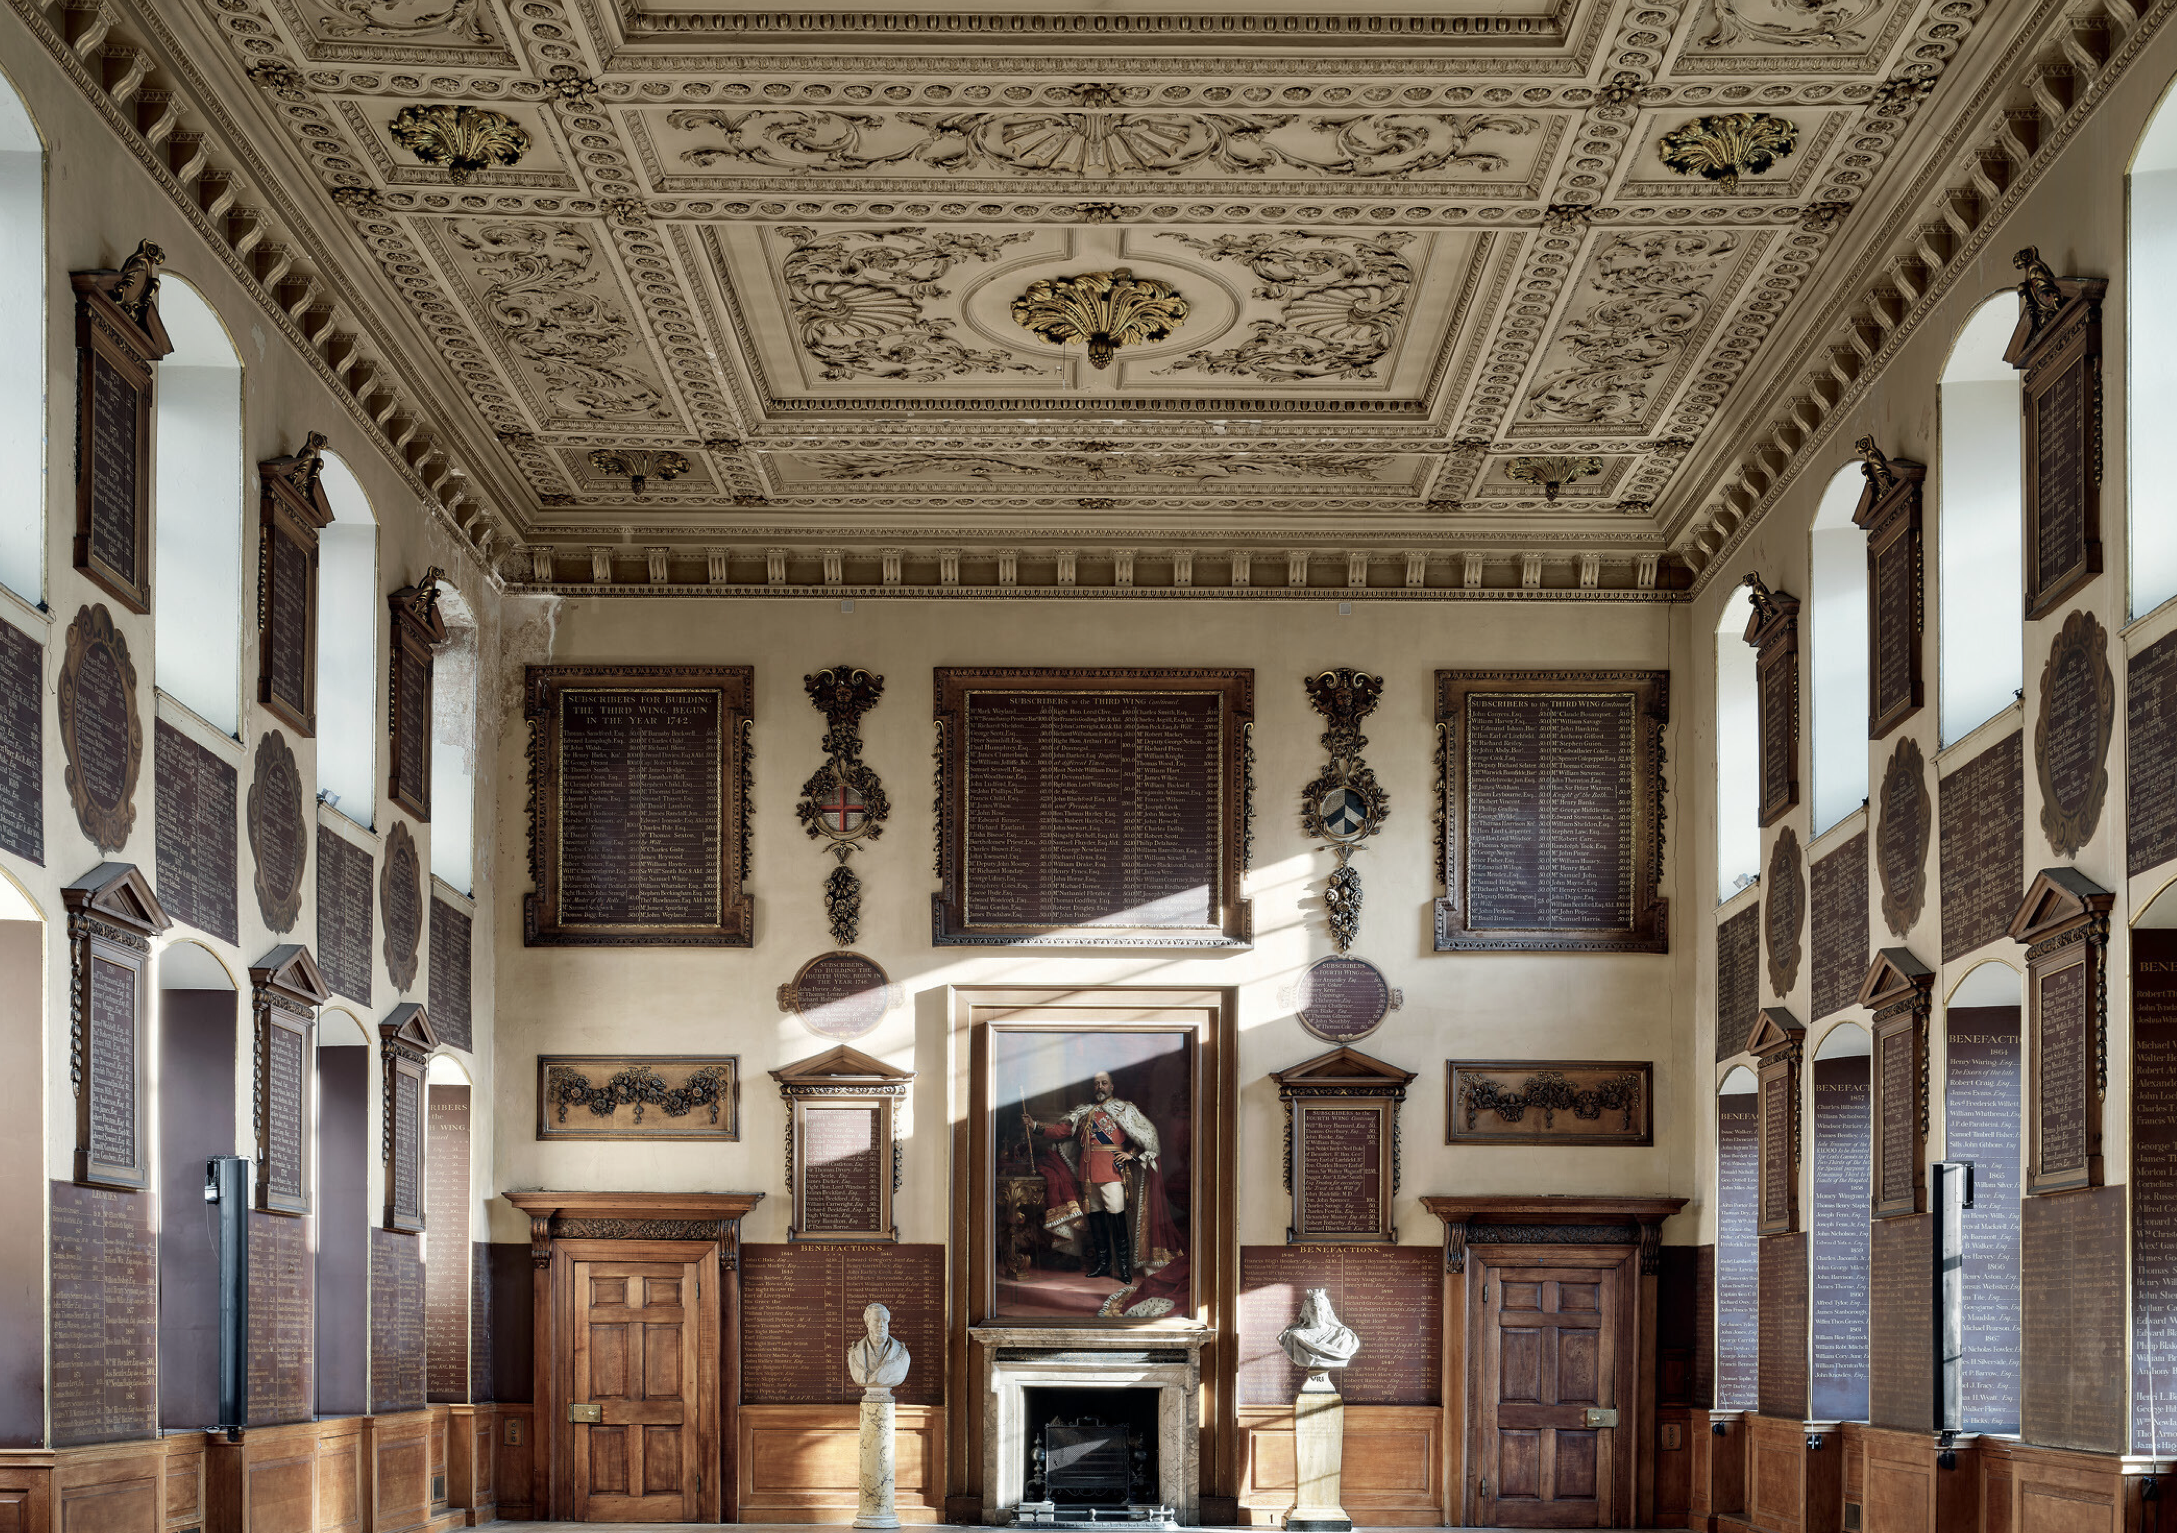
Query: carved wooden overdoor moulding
x=1898, y=990
x=1776, y=1044
x=2064, y=923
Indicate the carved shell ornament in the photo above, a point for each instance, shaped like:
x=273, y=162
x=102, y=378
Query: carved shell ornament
x=1729, y=145
x=1552, y=472
x=1107, y=309
x=638, y=466
x=464, y=139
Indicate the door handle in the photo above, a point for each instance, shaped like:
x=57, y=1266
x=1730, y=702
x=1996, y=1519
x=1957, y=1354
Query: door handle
x=578, y=1414
x=1601, y=1416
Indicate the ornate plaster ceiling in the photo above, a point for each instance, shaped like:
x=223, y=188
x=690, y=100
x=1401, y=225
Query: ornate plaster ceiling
x=1421, y=246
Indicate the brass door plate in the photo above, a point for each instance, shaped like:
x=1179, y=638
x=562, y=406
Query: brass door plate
x=595, y=1414
x=1602, y=1416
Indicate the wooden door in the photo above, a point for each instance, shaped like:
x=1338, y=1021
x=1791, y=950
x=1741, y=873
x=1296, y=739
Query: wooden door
x=636, y=1415
x=1549, y=1354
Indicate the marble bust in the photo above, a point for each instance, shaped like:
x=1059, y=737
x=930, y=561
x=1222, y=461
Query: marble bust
x=879, y=1360
x=1317, y=1341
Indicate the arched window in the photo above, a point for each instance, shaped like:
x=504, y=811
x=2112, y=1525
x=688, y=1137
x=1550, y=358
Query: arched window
x=1982, y=522
x=1738, y=767
x=1837, y=643
x=1983, y=1104
x=196, y=590
x=453, y=744
x=1841, y=1247
x=2151, y=359
x=346, y=1146
x=347, y=648
x=22, y=347
x=1738, y=1249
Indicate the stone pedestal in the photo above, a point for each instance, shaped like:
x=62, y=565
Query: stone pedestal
x=1319, y=1426
x=879, y=1468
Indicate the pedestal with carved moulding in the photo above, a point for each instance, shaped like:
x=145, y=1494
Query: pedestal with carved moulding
x=2064, y=924
x=112, y=917
x=843, y=1104
x=1777, y=1046
x=697, y=1233
x=1342, y=1108
x=119, y=338
x=1898, y=990
x=1614, y=1242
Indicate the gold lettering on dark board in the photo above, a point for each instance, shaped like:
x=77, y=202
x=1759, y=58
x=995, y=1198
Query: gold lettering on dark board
x=640, y=813
x=1390, y=1295
x=1550, y=828
x=841, y=1162
x=1341, y=1170
x=105, y=1316
x=801, y=1308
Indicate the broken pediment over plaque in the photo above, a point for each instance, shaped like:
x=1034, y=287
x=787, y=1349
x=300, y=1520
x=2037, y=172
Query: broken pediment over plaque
x=841, y=995
x=639, y=1096
x=1545, y=1102
x=1341, y=999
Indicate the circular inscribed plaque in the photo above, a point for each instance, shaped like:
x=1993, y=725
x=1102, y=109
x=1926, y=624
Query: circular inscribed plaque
x=1784, y=911
x=839, y=995
x=99, y=729
x=2071, y=739
x=400, y=899
x=278, y=841
x=1342, y=999
x=1903, y=823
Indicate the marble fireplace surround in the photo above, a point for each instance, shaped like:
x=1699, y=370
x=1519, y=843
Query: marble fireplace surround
x=1014, y=1359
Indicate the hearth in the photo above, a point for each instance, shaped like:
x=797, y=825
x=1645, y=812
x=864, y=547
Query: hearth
x=1092, y=1455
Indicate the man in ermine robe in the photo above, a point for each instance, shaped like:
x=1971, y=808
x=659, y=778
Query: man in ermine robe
x=1110, y=1147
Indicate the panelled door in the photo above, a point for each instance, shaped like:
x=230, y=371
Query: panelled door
x=1548, y=1393
x=635, y=1415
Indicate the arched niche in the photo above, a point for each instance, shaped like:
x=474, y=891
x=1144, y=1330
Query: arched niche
x=1836, y=645
x=348, y=667
x=198, y=509
x=2150, y=359
x=198, y=1031
x=1738, y=764
x=1980, y=520
x=1983, y=1118
x=22, y=348
x=346, y=1151
x=1840, y=1246
x=1738, y=1252
x=454, y=697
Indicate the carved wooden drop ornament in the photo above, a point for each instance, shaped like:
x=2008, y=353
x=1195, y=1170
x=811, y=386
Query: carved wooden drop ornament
x=844, y=803
x=1344, y=805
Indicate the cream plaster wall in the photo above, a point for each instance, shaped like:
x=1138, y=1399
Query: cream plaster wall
x=556, y=1000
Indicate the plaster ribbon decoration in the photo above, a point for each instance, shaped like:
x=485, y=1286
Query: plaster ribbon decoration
x=844, y=803
x=1344, y=805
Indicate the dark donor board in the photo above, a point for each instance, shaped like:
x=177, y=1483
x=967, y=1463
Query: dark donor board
x=1392, y=1297
x=1983, y=846
x=1782, y=1369
x=1837, y=902
x=397, y=1356
x=105, y=1316
x=195, y=853
x=346, y=915
x=2154, y=1183
x=282, y=1336
x=450, y=933
x=2071, y=1279
x=1092, y=808
x=638, y=806
x=2150, y=755
x=801, y=1308
x=22, y=744
x=1552, y=792
x=1738, y=981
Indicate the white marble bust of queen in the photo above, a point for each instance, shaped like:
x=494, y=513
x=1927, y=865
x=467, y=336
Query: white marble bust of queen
x=1317, y=1341
x=879, y=1360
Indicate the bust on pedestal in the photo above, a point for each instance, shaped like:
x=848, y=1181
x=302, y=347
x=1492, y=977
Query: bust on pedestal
x=877, y=1362
x=1318, y=1343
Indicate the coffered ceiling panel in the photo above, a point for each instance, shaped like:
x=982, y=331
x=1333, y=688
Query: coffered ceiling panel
x=1484, y=273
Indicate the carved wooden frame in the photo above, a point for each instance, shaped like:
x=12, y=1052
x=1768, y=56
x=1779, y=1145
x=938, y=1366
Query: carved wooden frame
x=112, y=917
x=729, y=1105
x=1463, y=1076
x=1899, y=990
x=2048, y=345
x=955, y=686
x=417, y=629
x=118, y=328
x=1650, y=928
x=544, y=689
x=1773, y=631
x=291, y=506
x=2070, y=826
x=285, y=993
x=1889, y=513
x=105, y=826
x=1343, y=1080
x=2064, y=923
x=1777, y=1044
x=844, y=1077
x=406, y=1044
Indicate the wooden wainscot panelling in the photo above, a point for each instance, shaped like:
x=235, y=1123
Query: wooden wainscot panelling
x=1678, y=1429
x=1996, y=1462
x=306, y=1477
x=1794, y=1475
x=2053, y=1490
x=399, y=1471
x=108, y=1488
x=800, y=1463
x=185, y=1481
x=340, y=1475
x=1392, y=1467
x=1912, y=1481
x=471, y=1462
x=1719, y=1467
x=513, y=1460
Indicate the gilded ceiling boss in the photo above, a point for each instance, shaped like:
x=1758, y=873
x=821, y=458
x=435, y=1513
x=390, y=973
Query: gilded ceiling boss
x=1104, y=1176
